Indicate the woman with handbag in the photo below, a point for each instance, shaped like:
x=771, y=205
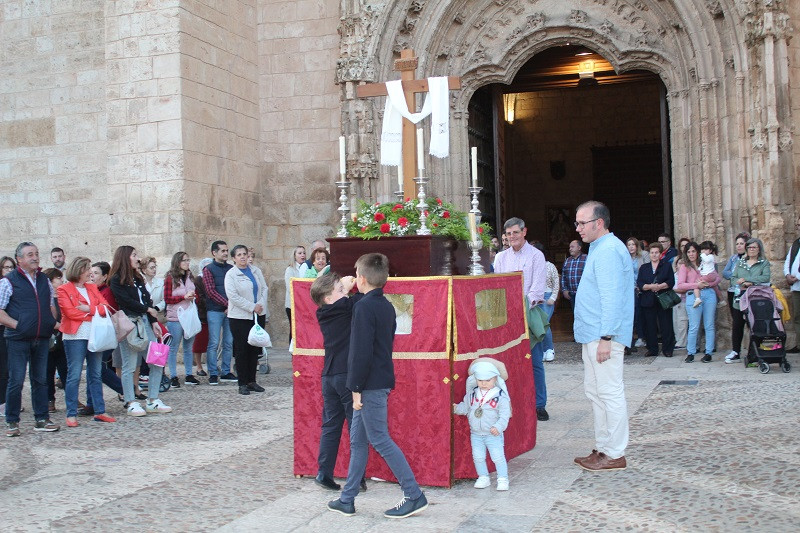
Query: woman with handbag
x=737, y=318
x=656, y=278
x=689, y=279
x=247, y=295
x=129, y=290
x=79, y=301
x=179, y=295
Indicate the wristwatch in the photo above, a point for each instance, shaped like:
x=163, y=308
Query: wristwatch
x=605, y=338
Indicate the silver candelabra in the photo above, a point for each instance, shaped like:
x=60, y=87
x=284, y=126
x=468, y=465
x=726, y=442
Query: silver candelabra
x=422, y=206
x=344, y=208
x=476, y=269
x=474, y=191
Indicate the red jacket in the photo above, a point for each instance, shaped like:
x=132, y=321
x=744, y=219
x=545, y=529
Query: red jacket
x=69, y=299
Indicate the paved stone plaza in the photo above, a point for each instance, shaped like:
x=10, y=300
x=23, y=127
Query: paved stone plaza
x=720, y=455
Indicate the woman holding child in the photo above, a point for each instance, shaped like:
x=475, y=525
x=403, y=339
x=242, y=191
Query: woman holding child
x=690, y=282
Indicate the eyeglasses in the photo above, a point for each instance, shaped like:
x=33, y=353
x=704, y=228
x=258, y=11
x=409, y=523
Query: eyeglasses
x=579, y=224
x=754, y=247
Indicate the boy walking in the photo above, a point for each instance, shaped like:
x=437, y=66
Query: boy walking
x=370, y=377
x=334, y=315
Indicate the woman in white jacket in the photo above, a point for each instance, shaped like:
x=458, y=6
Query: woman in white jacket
x=292, y=271
x=247, y=294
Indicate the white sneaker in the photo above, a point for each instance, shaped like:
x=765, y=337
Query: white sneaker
x=549, y=355
x=639, y=343
x=157, y=406
x=483, y=482
x=135, y=409
x=731, y=358
x=697, y=302
x=502, y=483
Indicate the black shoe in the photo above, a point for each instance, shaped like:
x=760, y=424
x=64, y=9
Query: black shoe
x=541, y=414
x=337, y=505
x=363, y=486
x=627, y=351
x=229, y=378
x=175, y=383
x=213, y=380
x=406, y=507
x=325, y=482
x=255, y=387
x=689, y=359
x=633, y=349
x=668, y=354
x=243, y=390
x=651, y=354
x=86, y=411
x=191, y=380
x=796, y=349
x=706, y=358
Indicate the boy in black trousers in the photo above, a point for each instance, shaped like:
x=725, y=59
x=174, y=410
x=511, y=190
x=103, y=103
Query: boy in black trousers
x=370, y=377
x=334, y=315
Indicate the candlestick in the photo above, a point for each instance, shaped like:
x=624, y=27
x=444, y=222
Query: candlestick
x=476, y=269
x=342, y=157
x=473, y=231
x=422, y=206
x=344, y=208
x=474, y=191
x=474, y=166
x=420, y=144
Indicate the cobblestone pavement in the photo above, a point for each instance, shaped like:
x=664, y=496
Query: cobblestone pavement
x=718, y=455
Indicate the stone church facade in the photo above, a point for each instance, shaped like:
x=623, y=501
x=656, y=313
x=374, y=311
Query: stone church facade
x=167, y=124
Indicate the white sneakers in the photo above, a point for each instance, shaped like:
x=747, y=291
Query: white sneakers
x=157, y=406
x=640, y=343
x=549, y=355
x=731, y=358
x=135, y=409
x=697, y=302
x=483, y=482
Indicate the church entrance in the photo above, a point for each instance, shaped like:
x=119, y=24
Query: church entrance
x=568, y=129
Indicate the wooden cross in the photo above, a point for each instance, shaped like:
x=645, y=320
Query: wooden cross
x=407, y=64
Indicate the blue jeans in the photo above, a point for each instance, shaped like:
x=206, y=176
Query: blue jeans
x=337, y=406
x=107, y=376
x=77, y=350
x=370, y=425
x=176, y=330
x=538, y=373
x=130, y=360
x=547, y=342
x=217, y=320
x=707, y=312
x=20, y=354
x=495, y=445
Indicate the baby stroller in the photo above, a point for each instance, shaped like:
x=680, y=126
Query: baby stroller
x=767, y=336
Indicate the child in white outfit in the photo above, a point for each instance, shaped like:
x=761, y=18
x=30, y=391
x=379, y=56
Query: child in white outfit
x=488, y=407
x=708, y=271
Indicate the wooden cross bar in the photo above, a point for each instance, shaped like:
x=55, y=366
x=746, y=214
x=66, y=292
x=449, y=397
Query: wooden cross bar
x=406, y=65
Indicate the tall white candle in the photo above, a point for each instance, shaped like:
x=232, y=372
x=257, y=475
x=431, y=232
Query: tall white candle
x=342, y=157
x=400, y=174
x=473, y=230
x=474, y=166
x=420, y=144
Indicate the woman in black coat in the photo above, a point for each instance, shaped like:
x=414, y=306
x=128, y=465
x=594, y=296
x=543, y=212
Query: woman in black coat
x=655, y=277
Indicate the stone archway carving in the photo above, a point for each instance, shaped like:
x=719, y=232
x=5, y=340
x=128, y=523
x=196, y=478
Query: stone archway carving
x=720, y=60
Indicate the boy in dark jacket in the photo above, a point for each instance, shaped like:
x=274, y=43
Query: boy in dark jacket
x=334, y=315
x=370, y=377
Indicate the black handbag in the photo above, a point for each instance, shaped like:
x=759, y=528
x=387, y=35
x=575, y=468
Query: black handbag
x=668, y=299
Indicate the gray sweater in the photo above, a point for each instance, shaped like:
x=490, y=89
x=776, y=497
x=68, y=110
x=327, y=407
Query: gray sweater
x=496, y=410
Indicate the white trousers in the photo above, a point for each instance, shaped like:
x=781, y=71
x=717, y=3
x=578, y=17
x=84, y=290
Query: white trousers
x=605, y=388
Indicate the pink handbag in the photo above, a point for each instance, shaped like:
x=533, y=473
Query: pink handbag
x=157, y=354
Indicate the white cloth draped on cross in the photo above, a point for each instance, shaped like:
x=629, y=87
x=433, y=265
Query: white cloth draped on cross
x=436, y=104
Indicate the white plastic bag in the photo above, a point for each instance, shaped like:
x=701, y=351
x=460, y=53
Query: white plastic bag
x=102, y=335
x=258, y=335
x=190, y=321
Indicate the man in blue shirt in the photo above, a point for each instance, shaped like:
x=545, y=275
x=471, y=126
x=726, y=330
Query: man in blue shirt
x=604, y=325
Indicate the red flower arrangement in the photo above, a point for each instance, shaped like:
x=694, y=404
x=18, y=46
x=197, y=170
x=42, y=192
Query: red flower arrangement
x=403, y=221
x=379, y=216
x=385, y=228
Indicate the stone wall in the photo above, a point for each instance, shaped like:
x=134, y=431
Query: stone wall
x=300, y=117
x=53, y=127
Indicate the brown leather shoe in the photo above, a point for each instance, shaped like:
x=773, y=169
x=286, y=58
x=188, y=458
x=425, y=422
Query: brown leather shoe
x=590, y=457
x=603, y=462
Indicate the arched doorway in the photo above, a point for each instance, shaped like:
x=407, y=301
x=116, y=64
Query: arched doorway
x=568, y=128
